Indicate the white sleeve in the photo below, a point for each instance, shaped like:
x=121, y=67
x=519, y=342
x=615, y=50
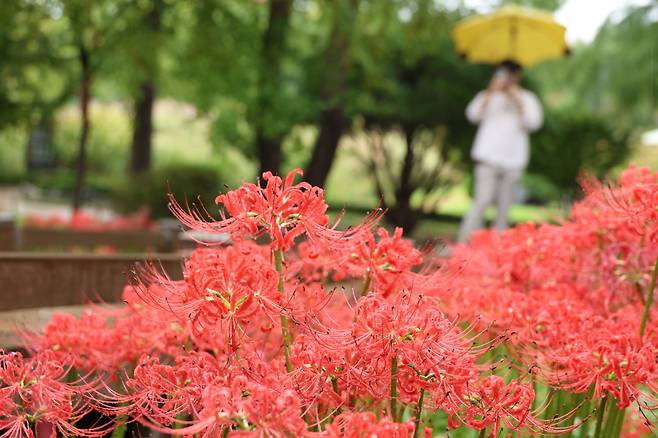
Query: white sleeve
x=533, y=115
x=474, y=110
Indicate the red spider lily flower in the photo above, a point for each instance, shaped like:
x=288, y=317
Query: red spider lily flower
x=315, y=373
x=605, y=356
x=222, y=291
x=282, y=210
x=492, y=403
x=633, y=201
x=87, y=340
x=388, y=262
x=430, y=351
x=160, y=392
x=316, y=261
x=199, y=395
x=366, y=424
x=106, y=339
x=412, y=328
x=35, y=391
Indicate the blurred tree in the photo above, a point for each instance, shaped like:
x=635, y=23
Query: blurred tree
x=615, y=76
x=148, y=32
x=409, y=80
x=273, y=46
x=573, y=142
x=549, y=5
x=93, y=28
x=36, y=76
x=247, y=79
x=332, y=70
x=33, y=72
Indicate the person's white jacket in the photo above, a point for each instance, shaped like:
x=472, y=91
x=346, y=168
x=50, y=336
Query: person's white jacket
x=502, y=137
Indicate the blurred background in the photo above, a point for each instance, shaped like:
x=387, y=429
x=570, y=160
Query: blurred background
x=105, y=105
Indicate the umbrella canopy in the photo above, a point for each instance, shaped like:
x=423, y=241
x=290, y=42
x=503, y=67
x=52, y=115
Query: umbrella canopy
x=514, y=33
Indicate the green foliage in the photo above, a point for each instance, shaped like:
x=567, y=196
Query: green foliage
x=35, y=76
x=549, y=5
x=188, y=182
x=573, y=142
x=408, y=75
x=395, y=71
x=616, y=75
x=109, y=137
x=12, y=154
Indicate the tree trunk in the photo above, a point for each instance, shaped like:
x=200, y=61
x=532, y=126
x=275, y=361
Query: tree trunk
x=268, y=141
x=332, y=125
x=269, y=153
x=143, y=128
x=333, y=120
x=402, y=214
x=143, y=123
x=85, y=89
x=405, y=189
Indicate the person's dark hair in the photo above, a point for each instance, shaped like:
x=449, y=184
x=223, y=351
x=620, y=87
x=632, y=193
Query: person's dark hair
x=511, y=66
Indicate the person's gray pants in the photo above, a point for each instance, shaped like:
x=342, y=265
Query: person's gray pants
x=491, y=182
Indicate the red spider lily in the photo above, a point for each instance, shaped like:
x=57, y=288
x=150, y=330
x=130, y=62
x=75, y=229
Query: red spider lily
x=160, y=392
x=223, y=290
x=316, y=371
x=35, y=391
x=106, y=339
x=282, y=210
x=431, y=352
x=319, y=262
x=216, y=397
x=201, y=356
x=574, y=292
x=490, y=403
x=633, y=201
x=139, y=220
x=384, y=264
x=603, y=355
x=388, y=262
x=366, y=424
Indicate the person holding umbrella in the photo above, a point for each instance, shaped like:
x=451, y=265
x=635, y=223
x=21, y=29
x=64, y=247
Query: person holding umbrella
x=506, y=113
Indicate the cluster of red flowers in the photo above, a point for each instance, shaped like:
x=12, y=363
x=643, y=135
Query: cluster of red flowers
x=81, y=221
x=578, y=294
x=326, y=333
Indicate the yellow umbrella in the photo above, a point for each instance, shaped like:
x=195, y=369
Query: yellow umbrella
x=524, y=35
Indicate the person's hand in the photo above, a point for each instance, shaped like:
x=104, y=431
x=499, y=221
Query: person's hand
x=512, y=89
x=497, y=83
x=514, y=92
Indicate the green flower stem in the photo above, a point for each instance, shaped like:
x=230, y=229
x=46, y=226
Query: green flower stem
x=483, y=433
x=366, y=285
x=648, y=301
x=599, y=417
x=419, y=411
x=285, y=326
x=616, y=432
x=119, y=432
x=615, y=420
x=611, y=419
x=394, y=388
x=334, y=385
